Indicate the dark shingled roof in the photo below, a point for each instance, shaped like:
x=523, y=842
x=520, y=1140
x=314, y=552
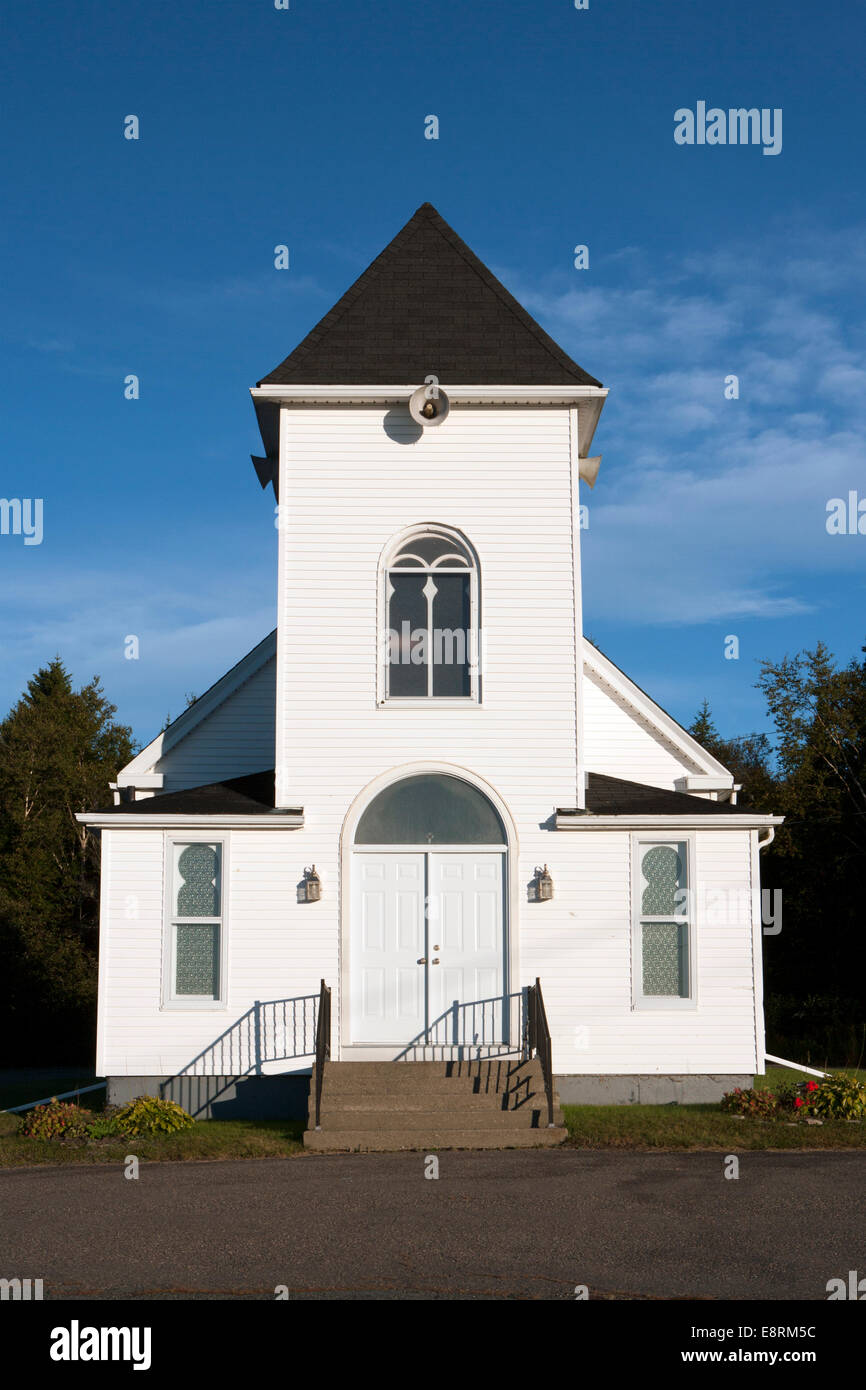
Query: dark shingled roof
x=426, y=305
x=611, y=796
x=254, y=794
x=239, y=796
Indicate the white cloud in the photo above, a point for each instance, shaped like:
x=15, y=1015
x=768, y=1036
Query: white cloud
x=708, y=508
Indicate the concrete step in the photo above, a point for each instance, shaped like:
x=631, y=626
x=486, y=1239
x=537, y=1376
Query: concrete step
x=437, y=1104
x=424, y=1141
x=353, y=1078
x=453, y=1094
x=388, y=1106
x=341, y=1117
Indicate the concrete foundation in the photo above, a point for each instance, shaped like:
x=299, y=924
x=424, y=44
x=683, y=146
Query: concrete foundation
x=221, y=1097
x=285, y=1097
x=646, y=1090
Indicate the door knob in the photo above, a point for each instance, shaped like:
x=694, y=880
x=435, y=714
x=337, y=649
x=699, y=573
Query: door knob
x=421, y=961
x=435, y=960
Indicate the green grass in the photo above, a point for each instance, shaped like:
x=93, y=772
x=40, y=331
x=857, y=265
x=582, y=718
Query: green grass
x=698, y=1127
x=208, y=1139
x=637, y=1127
x=706, y=1126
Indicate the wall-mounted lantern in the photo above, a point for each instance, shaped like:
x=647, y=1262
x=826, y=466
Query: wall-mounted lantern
x=543, y=885
x=312, y=885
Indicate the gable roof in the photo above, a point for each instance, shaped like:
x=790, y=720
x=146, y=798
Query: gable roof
x=254, y=795
x=237, y=796
x=662, y=724
x=613, y=796
x=427, y=304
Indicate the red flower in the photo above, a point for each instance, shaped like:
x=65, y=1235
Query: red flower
x=811, y=1085
x=798, y=1102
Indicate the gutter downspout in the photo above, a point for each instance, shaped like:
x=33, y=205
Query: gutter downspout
x=762, y=840
x=794, y=1066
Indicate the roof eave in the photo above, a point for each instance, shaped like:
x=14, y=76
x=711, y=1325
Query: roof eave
x=164, y=820
x=364, y=394
x=568, y=819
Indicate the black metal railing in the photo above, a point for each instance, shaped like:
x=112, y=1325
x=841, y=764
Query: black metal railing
x=323, y=1045
x=273, y=1030
x=538, y=1040
x=476, y=1029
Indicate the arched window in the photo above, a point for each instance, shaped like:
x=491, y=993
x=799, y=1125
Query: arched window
x=431, y=642
x=431, y=808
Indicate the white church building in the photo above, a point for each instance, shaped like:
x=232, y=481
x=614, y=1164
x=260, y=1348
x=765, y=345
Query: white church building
x=426, y=823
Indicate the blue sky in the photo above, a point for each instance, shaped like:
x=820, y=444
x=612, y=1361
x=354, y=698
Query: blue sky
x=305, y=127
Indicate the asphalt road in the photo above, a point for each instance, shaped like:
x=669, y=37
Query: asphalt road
x=493, y=1225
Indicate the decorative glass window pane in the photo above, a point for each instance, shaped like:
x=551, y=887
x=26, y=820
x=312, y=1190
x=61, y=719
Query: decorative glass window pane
x=451, y=635
x=430, y=809
x=430, y=599
x=407, y=623
x=665, y=955
x=198, y=881
x=197, y=959
x=431, y=551
x=664, y=872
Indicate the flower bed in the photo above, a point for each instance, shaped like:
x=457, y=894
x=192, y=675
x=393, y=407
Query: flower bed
x=68, y=1123
x=836, y=1097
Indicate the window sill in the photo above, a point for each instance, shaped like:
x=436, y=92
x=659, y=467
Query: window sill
x=431, y=702
x=193, y=1005
x=655, y=1003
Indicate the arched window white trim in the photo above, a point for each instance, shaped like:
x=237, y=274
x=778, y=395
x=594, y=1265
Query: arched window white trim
x=429, y=619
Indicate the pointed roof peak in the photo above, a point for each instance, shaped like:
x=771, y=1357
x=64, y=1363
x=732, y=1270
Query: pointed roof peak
x=427, y=304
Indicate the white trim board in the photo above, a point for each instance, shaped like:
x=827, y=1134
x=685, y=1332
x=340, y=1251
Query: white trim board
x=354, y=393
x=692, y=820
x=266, y=820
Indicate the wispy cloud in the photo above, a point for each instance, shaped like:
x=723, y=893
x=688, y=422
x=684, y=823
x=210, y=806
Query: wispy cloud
x=709, y=508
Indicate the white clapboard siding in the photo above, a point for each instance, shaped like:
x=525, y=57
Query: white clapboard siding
x=503, y=478
x=621, y=742
x=236, y=738
x=272, y=955
x=583, y=956
x=579, y=945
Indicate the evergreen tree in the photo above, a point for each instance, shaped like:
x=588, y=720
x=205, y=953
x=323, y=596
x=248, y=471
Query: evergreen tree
x=819, y=854
x=748, y=757
x=703, y=729
x=59, y=748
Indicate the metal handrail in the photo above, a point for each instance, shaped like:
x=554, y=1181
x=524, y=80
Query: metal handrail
x=323, y=1045
x=539, y=1041
x=46, y=1100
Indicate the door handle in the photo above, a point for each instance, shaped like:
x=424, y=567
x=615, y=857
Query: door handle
x=435, y=960
x=421, y=961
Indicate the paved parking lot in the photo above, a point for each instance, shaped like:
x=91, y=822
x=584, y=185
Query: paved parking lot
x=493, y=1225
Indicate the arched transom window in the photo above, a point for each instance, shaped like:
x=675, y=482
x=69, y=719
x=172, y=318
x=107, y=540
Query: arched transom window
x=431, y=617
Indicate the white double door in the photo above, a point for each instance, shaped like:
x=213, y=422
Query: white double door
x=427, y=929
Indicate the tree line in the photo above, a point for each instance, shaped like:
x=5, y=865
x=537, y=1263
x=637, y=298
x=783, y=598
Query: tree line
x=813, y=772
